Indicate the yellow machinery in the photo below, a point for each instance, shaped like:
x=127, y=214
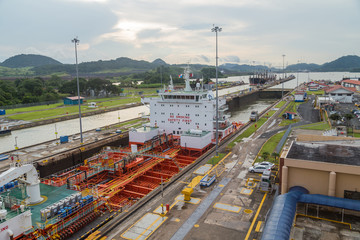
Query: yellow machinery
x=187, y=193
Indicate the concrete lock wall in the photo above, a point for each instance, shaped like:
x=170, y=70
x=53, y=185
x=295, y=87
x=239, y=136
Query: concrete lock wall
x=237, y=102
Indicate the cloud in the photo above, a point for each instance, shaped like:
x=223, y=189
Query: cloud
x=204, y=58
x=179, y=31
x=231, y=59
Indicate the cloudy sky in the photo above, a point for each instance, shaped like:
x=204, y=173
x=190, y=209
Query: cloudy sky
x=259, y=31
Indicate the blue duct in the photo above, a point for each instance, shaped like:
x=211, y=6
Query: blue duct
x=278, y=225
x=331, y=201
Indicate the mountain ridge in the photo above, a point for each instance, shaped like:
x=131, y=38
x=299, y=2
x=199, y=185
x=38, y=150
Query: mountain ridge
x=40, y=65
x=28, y=60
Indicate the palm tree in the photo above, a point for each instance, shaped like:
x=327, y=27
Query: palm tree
x=275, y=155
x=348, y=117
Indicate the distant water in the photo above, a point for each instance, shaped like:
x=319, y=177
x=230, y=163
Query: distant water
x=303, y=77
x=306, y=77
x=242, y=113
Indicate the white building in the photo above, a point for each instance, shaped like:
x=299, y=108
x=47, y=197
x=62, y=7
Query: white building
x=351, y=83
x=321, y=101
x=184, y=113
x=312, y=86
x=340, y=94
x=300, y=96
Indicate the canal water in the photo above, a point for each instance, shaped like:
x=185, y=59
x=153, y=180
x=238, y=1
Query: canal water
x=35, y=135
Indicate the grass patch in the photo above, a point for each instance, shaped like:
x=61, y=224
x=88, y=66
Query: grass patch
x=67, y=110
x=102, y=102
x=270, y=147
x=357, y=135
x=118, y=102
x=316, y=126
x=292, y=107
x=48, y=113
x=214, y=160
x=120, y=125
x=318, y=92
x=286, y=122
x=33, y=108
x=280, y=104
x=270, y=113
x=247, y=133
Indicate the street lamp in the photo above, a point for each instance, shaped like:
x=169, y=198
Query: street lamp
x=16, y=148
x=76, y=42
x=282, y=89
x=297, y=77
x=216, y=30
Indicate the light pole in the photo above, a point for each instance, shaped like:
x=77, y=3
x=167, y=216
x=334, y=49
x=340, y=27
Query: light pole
x=56, y=133
x=216, y=30
x=16, y=148
x=297, y=77
x=76, y=42
x=282, y=89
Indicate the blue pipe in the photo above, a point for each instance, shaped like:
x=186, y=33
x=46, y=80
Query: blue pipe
x=279, y=223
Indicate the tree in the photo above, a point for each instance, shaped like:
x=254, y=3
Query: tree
x=210, y=72
x=275, y=155
x=70, y=87
x=55, y=81
x=348, y=117
x=265, y=155
x=335, y=117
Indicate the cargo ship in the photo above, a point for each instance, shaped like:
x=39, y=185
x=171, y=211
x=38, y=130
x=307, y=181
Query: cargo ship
x=266, y=78
x=182, y=126
x=262, y=78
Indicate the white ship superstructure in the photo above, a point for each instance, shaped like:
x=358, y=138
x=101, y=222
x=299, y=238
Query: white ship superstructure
x=185, y=113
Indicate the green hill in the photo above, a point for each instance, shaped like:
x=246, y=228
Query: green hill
x=342, y=64
x=346, y=63
x=36, y=65
x=117, y=66
x=28, y=60
x=303, y=67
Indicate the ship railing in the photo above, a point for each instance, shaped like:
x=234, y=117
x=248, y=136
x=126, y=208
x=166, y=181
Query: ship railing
x=17, y=163
x=78, y=212
x=220, y=120
x=62, y=172
x=95, y=171
x=224, y=108
x=12, y=205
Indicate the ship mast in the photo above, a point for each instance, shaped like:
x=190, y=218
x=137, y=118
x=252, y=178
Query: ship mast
x=171, y=85
x=187, y=79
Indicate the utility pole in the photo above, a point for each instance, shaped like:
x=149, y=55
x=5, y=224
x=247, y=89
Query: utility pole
x=297, y=77
x=216, y=30
x=76, y=42
x=282, y=89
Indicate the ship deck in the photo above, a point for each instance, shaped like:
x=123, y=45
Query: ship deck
x=50, y=194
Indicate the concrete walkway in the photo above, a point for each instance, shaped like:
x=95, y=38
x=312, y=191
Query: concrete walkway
x=200, y=210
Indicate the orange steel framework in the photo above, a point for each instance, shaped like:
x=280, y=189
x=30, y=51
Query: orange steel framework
x=120, y=178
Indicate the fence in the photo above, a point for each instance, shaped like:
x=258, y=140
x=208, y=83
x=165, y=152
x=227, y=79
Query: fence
x=283, y=139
